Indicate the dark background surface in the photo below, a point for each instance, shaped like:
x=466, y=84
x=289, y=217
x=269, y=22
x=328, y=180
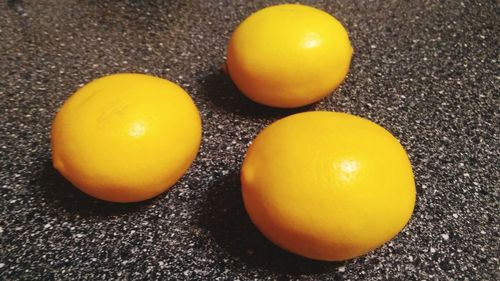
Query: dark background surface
x=426, y=70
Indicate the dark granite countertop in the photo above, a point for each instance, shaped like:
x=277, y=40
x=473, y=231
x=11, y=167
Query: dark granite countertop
x=426, y=70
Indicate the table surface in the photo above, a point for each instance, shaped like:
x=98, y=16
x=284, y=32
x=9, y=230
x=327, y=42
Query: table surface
x=428, y=71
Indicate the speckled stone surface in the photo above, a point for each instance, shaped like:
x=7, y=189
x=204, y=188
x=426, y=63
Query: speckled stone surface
x=426, y=70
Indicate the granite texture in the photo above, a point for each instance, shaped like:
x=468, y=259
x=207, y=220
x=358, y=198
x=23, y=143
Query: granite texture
x=426, y=70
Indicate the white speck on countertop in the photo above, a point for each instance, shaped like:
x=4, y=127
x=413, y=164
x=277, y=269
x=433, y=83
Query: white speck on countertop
x=445, y=236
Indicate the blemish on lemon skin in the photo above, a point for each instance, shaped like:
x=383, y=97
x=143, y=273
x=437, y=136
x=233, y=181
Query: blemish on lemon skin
x=247, y=174
x=115, y=111
x=58, y=164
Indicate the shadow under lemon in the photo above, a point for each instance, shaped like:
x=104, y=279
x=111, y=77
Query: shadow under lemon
x=220, y=91
x=225, y=218
x=62, y=193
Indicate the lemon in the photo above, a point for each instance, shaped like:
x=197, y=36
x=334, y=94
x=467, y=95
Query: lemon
x=126, y=137
x=327, y=186
x=288, y=55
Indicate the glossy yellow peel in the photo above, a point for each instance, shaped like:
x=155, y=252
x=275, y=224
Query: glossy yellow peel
x=288, y=55
x=327, y=186
x=126, y=137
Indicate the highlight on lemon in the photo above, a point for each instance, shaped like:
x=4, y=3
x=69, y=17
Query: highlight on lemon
x=126, y=137
x=288, y=55
x=327, y=186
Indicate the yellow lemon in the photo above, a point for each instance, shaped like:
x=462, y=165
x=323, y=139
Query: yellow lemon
x=327, y=186
x=126, y=137
x=288, y=55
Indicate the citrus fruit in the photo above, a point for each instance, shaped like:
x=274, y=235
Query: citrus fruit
x=288, y=55
x=126, y=137
x=327, y=186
